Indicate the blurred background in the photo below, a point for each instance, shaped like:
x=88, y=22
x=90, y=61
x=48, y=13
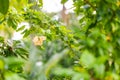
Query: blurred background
x=59, y=40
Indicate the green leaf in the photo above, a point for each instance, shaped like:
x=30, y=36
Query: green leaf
x=27, y=32
x=63, y=1
x=63, y=71
x=41, y=2
x=1, y=39
x=81, y=76
x=100, y=70
x=1, y=64
x=21, y=28
x=12, y=23
x=90, y=42
x=87, y=59
x=4, y=5
x=13, y=61
x=12, y=76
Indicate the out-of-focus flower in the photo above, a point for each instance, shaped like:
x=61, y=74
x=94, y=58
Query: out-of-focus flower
x=108, y=38
x=118, y=3
x=38, y=40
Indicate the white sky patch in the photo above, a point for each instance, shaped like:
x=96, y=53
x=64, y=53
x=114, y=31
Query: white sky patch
x=39, y=63
x=52, y=5
x=69, y=5
x=55, y=5
x=18, y=35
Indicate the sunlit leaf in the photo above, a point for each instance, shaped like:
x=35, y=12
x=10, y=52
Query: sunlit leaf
x=1, y=64
x=63, y=1
x=87, y=59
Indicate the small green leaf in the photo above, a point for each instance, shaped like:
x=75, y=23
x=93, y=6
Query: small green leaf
x=26, y=33
x=4, y=5
x=21, y=28
x=90, y=42
x=12, y=23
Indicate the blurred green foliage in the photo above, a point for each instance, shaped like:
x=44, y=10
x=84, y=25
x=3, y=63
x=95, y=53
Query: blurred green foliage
x=89, y=51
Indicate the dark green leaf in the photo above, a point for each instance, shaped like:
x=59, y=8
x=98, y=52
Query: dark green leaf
x=4, y=5
x=12, y=23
